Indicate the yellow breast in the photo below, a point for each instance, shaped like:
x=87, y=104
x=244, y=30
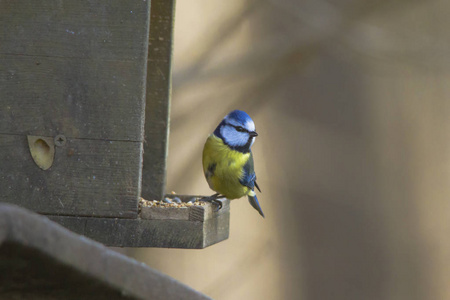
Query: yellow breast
x=223, y=168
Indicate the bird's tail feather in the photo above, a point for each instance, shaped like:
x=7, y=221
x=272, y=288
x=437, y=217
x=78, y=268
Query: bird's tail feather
x=254, y=202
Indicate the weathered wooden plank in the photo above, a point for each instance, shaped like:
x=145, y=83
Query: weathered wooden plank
x=100, y=30
x=159, y=80
x=82, y=99
x=41, y=260
x=168, y=233
x=76, y=67
x=87, y=177
x=165, y=213
x=194, y=211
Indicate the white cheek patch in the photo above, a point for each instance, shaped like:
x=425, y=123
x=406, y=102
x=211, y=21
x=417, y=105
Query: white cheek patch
x=233, y=137
x=253, y=140
x=232, y=122
x=249, y=125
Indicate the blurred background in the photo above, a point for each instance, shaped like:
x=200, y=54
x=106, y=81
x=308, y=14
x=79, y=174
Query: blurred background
x=350, y=100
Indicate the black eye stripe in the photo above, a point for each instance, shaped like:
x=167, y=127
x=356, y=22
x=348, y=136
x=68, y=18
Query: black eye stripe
x=240, y=128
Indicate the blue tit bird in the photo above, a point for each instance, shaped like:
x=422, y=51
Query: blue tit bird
x=228, y=160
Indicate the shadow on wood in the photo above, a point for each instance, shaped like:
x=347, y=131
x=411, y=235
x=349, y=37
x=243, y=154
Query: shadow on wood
x=40, y=259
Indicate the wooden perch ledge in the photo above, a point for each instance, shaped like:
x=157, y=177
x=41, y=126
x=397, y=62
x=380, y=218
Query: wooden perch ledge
x=194, y=226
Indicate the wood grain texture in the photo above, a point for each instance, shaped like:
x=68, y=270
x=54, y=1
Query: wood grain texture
x=165, y=213
x=87, y=178
x=76, y=68
x=159, y=80
x=41, y=260
x=98, y=30
x=73, y=67
x=165, y=233
x=76, y=97
x=192, y=213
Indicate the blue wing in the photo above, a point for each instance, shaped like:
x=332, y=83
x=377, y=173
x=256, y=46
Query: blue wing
x=249, y=177
x=249, y=180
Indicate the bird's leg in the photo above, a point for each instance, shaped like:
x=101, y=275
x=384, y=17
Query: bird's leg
x=213, y=199
x=210, y=198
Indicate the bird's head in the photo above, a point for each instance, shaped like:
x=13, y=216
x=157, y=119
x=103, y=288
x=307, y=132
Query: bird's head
x=237, y=131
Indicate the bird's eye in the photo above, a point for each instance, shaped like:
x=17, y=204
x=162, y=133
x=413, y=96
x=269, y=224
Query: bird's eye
x=240, y=129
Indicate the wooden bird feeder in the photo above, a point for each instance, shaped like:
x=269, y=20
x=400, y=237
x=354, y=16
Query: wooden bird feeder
x=84, y=110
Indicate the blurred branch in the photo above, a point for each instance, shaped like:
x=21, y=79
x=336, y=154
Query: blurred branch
x=213, y=42
x=321, y=35
x=272, y=65
x=337, y=29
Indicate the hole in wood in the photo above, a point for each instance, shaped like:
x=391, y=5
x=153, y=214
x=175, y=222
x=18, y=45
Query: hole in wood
x=42, y=151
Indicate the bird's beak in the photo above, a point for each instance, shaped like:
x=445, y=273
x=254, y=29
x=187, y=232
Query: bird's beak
x=253, y=133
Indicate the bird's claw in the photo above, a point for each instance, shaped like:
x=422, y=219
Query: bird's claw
x=213, y=199
x=219, y=204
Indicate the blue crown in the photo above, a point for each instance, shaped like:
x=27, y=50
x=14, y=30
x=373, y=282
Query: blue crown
x=239, y=115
